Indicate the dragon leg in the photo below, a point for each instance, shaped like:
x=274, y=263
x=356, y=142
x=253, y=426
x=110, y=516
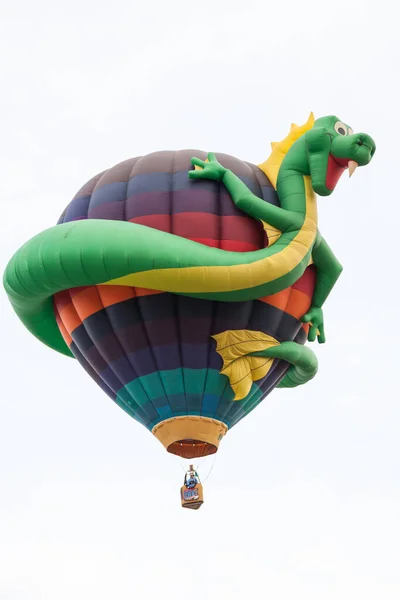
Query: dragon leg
x=303, y=362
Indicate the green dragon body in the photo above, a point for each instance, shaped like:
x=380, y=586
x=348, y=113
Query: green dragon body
x=102, y=252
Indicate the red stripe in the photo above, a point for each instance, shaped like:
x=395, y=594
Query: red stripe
x=306, y=283
x=160, y=222
x=199, y=225
x=74, y=291
x=236, y=246
x=62, y=299
x=203, y=225
x=205, y=241
x=231, y=245
x=243, y=229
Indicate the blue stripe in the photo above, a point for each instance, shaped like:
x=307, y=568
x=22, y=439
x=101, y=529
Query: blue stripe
x=165, y=412
x=110, y=192
x=146, y=401
x=163, y=182
x=210, y=404
x=77, y=208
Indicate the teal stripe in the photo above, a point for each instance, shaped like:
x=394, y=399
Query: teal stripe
x=198, y=392
x=174, y=382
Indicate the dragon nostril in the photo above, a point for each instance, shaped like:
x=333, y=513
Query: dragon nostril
x=360, y=143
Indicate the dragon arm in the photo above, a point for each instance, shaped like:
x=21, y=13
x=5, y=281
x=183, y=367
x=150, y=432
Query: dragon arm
x=328, y=272
x=280, y=218
x=245, y=200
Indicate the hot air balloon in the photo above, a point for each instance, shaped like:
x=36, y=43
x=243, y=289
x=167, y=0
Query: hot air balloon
x=153, y=353
x=186, y=358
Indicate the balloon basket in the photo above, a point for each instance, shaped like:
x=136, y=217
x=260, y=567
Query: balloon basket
x=192, y=498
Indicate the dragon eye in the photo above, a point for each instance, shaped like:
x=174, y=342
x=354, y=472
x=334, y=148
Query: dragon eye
x=340, y=128
x=350, y=131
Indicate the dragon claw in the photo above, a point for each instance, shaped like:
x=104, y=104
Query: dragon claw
x=315, y=318
x=207, y=169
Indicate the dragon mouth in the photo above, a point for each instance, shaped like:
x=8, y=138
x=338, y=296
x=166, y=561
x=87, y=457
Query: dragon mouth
x=336, y=168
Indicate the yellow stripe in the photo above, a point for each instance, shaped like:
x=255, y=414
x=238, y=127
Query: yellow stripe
x=273, y=233
x=236, y=277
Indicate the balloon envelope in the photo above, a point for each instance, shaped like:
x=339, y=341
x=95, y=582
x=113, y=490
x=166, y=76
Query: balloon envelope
x=152, y=352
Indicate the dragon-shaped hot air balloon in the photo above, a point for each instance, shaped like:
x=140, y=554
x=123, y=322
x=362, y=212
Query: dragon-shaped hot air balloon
x=187, y=287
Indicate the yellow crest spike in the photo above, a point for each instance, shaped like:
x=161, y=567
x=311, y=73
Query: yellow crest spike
x=279, y=149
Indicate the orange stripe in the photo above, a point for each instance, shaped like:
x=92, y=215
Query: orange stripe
x=67, y=338
x=87, y=302
x=69, y=318
x=280, y=300
x=299, y=303
x=146, y=292
x=113, y=294
x=291, y=301
x=96, y=298
x=77, y=290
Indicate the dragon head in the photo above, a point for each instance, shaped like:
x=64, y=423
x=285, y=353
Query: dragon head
x=331, y=148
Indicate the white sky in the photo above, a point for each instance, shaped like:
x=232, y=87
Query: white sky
x=303, y=501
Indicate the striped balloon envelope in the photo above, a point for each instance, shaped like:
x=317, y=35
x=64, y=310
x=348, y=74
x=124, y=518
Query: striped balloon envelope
x=154, y=353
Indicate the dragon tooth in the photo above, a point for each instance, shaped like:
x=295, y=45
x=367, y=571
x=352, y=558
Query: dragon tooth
x=352, y=167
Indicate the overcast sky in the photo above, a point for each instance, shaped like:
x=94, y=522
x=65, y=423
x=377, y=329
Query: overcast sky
x=303, y=501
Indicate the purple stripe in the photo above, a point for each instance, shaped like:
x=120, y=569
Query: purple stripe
x=114, y=211
x=163, y=319
x=168, y=184
x=110, y=390
x=183, y=201
x=111, y=192
x=165, y=358
x=82, y=218
x=77, y=208
x=136, y=337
